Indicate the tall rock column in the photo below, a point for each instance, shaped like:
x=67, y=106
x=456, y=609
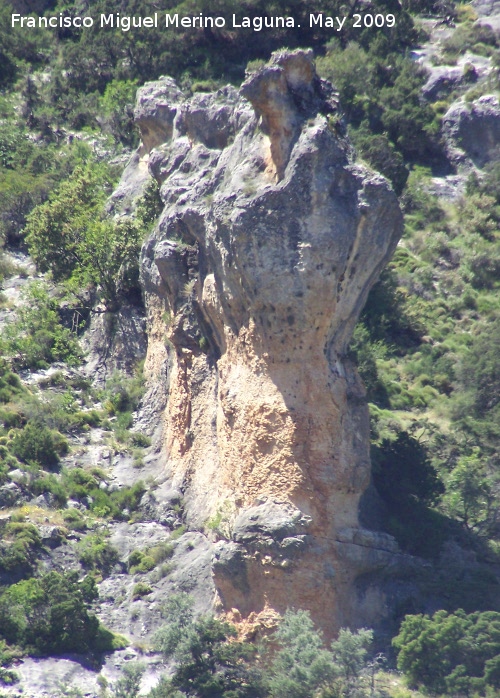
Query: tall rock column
x=269, y=242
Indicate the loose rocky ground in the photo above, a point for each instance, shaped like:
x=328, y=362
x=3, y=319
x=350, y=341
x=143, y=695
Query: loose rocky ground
x=157, y=521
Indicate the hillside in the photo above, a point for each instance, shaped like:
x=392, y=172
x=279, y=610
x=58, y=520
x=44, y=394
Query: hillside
x=117, y=491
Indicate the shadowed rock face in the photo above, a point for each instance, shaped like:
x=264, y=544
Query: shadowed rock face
x=472, y=131
x=269, y=242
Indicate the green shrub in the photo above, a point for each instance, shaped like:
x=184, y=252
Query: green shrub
x=403, y=473
x=140, y=440
x=19, y=547
x=148, y=559
x=96, y=553
x=123, y=393
x=474, y=37
x=128, y=497
x=37, y=337
x=451, y=653
x=68, y=236
x=10, y=385
x=140, y=589
x=210, y=661
x=74, y=520
x=44, y=483
x=79, y=483
x=36, y=443
x=50, y=614
x=8, y=677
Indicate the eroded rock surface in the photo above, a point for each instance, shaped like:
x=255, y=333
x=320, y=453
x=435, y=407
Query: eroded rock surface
x=472, y=131
x=269, y=242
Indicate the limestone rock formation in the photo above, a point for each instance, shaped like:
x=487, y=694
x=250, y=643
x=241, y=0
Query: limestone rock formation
x=472, y=131
x=254, y=277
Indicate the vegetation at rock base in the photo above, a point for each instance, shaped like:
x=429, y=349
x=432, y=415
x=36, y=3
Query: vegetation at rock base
x=211, y=661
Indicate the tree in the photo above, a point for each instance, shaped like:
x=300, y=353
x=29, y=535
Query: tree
x=350, y=654
x=210, y=662
x=469, y=495
x=68, y=236
x=403, y=473
x=452, y=653
x=479, y=371
x=36, y=443
x=127, y=686
x=49, y=615
x=302, y=666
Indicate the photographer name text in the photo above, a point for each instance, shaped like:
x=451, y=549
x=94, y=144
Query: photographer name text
x=175, y=21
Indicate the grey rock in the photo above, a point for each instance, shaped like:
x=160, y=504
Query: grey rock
x=230, y=562
x=369, y=539
x=52, y=536
x=114, y=341
x=18, y=476
x=293, y=546
x=44, y=501
x=472, y=131
x=132, y=185
x=11, y=495
x=155, y=110
x=442, y=81
x=269, y=520
x=270, y=239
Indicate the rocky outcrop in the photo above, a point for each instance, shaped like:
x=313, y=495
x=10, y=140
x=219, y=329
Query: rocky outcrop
x=254, y=277
x=114, y=341
x=472, y=131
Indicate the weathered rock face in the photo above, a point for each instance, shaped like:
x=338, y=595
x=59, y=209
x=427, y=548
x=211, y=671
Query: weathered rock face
x=269, y=242
x=472, y=131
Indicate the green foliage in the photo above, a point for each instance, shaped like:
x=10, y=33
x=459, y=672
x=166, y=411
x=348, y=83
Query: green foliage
x=350, y=656
x=146, y=560
x=382, y=155
x=66, y=236
x=128, y=685
x=478, y=38
x=96, y=553
x=36, y=443
x=140, y=589
x=479, y=373
x=450, y=653
x=19, y=46
x=149, y=205
x=47, y=483
x=37, y=337
x=49, y=615
x=29, y=169
x=84, y=486
x=10, y=385
x=381, y=94
x=123, y=393
x=74, y=520
x=117, y=105
x=209, y=661
x=302, y=666
x=403, y=473
x=19, y=546
x=469, y=496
